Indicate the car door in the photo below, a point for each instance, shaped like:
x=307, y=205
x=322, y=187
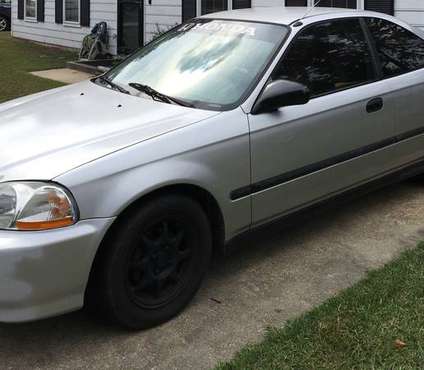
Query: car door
x=302, y=154
x=401, y=54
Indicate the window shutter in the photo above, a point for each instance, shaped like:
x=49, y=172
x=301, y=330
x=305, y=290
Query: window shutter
x=296, y=2
x=382, y=6
x=85, y=13
x=241, y=4
x=189, y=9
x=20, y=9
x=40, y=10
x=58, y=11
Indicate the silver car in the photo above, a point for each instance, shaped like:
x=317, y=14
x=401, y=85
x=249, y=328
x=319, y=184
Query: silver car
x=115, y=192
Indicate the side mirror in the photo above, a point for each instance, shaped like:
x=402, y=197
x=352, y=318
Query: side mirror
x=281, y=93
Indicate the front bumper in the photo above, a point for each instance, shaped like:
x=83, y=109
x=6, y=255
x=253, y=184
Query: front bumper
x=45, y=273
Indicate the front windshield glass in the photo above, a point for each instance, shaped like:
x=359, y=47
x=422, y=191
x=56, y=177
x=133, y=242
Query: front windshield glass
x=209, y=63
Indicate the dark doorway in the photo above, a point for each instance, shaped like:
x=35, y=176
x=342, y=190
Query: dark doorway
x=130, y=25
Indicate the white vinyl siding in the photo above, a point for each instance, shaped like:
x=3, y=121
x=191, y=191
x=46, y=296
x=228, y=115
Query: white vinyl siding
x=410, y=11
x=161, y=15
x=62, y=34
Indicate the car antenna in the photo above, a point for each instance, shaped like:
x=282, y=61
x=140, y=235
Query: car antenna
x=314, y=4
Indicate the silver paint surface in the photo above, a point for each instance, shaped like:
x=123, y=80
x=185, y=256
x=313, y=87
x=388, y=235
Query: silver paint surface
x=110, y=149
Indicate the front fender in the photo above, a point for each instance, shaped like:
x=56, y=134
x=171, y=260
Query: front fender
x=213, y=155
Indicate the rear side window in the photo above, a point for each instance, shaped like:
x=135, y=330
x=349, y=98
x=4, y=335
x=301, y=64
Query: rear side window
x=328, y=56
x=400, y=51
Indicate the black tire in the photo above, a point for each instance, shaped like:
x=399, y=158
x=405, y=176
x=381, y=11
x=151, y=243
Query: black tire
x=136, y=282
x=4, y=24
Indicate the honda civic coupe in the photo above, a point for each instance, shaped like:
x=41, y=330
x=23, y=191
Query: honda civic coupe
x=115, y=192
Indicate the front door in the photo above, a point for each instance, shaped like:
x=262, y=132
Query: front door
x=130, y=25
x=301, y=154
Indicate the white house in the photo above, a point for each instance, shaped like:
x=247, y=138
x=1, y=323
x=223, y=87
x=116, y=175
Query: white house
x=133, y=22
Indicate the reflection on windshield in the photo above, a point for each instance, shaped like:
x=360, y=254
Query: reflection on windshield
x=205, y=59
x=209, y=62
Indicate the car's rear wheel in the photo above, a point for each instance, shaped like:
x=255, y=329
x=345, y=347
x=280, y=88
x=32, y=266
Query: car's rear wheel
x=154, y=262
x=4, y=24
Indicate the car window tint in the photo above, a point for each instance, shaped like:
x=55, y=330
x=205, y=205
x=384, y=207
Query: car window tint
x=400, y=51
x=328, y=56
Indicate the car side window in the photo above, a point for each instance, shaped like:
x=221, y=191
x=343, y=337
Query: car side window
x=328, y=56
x=400, y=51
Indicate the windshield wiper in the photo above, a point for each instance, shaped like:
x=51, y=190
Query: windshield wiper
x=112, y=84
x=156, y=95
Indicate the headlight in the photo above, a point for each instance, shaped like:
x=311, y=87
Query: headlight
x=35, y=206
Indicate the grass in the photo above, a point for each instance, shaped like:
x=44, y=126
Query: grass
x=18, y=57
x=364, y=327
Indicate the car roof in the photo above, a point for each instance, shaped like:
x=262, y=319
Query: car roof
x=284, y=15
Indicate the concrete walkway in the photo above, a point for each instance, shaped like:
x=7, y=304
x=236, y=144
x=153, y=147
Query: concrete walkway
x=276, y=275
x=65, y=75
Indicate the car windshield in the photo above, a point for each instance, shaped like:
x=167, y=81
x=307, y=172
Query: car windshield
x=210, y=64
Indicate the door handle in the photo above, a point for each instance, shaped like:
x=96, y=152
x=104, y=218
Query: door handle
x=374, y=105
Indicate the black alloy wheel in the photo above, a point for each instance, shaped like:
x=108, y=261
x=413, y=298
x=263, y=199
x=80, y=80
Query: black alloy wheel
x=158, y=266
x=152, y=264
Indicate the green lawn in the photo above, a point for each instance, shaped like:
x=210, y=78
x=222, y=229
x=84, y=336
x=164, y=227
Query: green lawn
x=19, y=57
x=362, y=328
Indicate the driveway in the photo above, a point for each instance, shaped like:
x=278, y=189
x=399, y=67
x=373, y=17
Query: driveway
x=276, y=274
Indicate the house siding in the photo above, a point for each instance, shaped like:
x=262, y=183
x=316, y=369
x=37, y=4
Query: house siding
x=66, y=35
x=411, y=11
x=159, y=15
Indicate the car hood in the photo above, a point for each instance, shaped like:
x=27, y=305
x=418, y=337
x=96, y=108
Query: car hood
x=47, y=134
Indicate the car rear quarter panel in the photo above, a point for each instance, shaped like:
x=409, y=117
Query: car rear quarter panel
x=212, y=154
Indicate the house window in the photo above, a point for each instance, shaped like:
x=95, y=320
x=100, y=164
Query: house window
x=337, y=3
x=212, y=6
x=296, y=3
x=72, y=11
x=190, y=9
x=383, y=6
x=242, y=4
x=30, y=9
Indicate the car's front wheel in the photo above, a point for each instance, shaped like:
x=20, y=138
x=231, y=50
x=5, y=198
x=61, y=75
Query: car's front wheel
x=154, y=263
x=4, y=24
